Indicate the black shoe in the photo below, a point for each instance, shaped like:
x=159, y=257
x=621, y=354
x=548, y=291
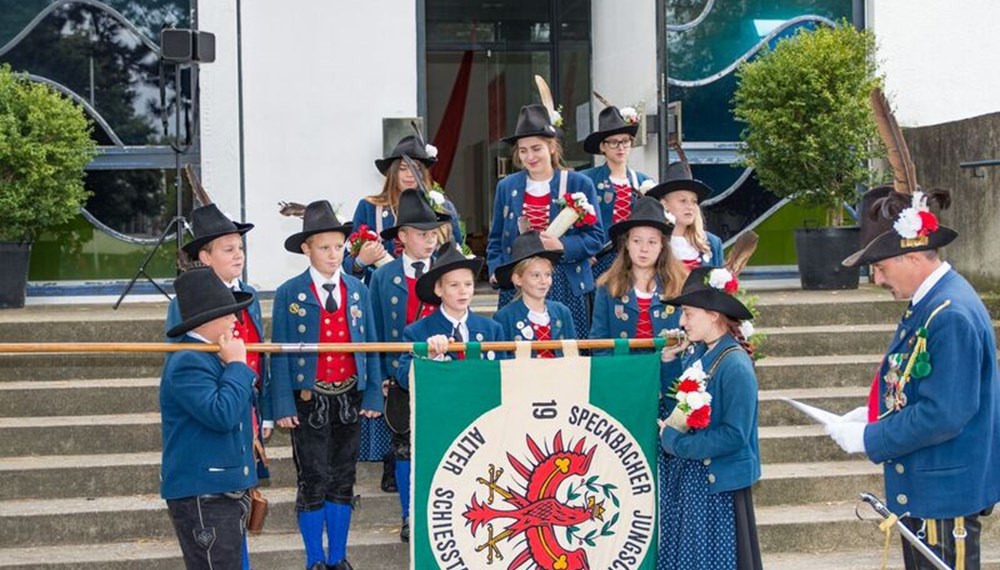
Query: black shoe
x=318, y=566
x=342, y=565
x=389, y=473
x=404, y=532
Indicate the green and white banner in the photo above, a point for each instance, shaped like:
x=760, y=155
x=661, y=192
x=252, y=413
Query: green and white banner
x=535, y=463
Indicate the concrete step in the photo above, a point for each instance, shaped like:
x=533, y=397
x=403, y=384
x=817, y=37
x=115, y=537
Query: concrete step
x=79, y=397
x=798, y=444
x=866, y=305
x=817, y=482
x=828, y=340
x=829, y=527
x=69, y=476
x=821, y=371
x=776, y=412
x=31, y=367
x=867, y=559
x=376, y=548
x=33, y=522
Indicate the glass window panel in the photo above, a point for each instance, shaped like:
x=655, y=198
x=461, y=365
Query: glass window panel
x=497, y=20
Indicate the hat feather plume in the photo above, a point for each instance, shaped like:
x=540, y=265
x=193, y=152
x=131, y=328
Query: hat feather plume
x=546, y=94
x=420, y=136
x=292, y=209
x=904, y=172
x=681, y=155
x=603, y=101
x=199, y=191
x=741, y=252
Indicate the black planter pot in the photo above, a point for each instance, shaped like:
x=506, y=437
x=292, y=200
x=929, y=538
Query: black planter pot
x=820, y=251
x=14, y=258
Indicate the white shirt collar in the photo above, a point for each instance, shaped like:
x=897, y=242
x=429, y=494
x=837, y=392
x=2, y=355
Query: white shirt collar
x=455, y=322
x=198, y=337
x=408, y=266
x=319, y=280
x=930, y=282
x=538, y=187
x=234, y=283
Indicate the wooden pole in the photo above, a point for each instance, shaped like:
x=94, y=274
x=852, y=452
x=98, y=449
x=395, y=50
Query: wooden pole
x=155, y=347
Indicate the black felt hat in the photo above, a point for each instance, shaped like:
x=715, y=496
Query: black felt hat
x=526, y=246
x=880, y=210
x=208, y=223
x=318, y=218
x=411, y=146
x=609, y=122
x=645, y=212
x=447, y=258
x=698, y=292
x=532, y=121
x=415, y=211
x=203, y=297
x=679, y=177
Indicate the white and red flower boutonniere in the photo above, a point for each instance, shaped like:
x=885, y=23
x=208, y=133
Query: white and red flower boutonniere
x=723, y=280
x=694, y=403
x=630, y=115
x=917, y=221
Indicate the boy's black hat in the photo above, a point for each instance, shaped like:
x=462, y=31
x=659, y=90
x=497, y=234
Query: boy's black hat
x=526, y=245
x=415, y=211
x=697, y=292
x=318, y=218
x=447, y=258
x=208, y=223
x=203, y=297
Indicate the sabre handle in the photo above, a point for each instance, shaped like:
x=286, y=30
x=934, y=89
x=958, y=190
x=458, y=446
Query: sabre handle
x=876, y=504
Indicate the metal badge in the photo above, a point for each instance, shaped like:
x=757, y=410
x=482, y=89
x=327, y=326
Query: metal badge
x=620, y=312
x=293, y=308
x=609, y=197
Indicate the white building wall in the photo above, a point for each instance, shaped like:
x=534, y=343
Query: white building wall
x=938, y=57
x=623, y=67
x=318, y=77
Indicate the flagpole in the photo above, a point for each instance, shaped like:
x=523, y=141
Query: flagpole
x=167, y=347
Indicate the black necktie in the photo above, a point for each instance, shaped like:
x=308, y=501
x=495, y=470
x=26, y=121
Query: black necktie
x=331, y=303
x=456, y=333
x=418, y=268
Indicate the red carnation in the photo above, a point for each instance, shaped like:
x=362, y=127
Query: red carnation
x=699, y=419
x=732, y=286
x=928, y=223
x=687, y=385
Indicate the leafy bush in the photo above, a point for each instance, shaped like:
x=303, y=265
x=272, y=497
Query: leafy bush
x=810, y=134
x=45, y=144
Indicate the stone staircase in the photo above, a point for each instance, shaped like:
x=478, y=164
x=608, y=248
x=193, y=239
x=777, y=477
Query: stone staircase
x=79, y=446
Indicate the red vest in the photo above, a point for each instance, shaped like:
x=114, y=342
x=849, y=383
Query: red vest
x=644, y=325
x=334, y=366
x=245, y=329
x=543, y=332
x=413, y=303
x=623, y=202
x=536, y=209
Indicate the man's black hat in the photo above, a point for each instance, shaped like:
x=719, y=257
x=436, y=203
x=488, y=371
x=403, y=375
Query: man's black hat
x=679, y=177
x=415, y=211
x=447, y=258
x=609, y=122
x=208, y=223
x=532, y=121
x=318, y=218
x=697, y=292
x=203, y=297
x=526, y=246
x=411, y=147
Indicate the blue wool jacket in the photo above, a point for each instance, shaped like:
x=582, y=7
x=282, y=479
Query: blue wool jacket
x=481, y=329
x=941, y=452
x=207, y=434
x=389, y=299
x=296, y=320
x=715, y=257
x=728, y=446
x=616, y=317
x=580, y=243
x=601, y=177
x=514, y=319
x=174, y=318
x=367, y=213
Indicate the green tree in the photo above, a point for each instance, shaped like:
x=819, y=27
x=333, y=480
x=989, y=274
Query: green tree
x=44, y=146
x=810, y=134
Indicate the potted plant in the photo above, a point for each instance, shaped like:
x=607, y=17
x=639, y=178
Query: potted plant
x=810, y=136
x=44, y=146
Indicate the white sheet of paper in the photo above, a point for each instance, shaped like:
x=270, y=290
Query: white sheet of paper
x=821, y=416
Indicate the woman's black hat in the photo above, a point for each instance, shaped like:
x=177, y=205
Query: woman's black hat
x=698, y=293
x=609, y=122
x=411, y=146
x=879, y=210
x=447, y=258
x=645, y=212
x=318, y=218
x=208, y=223
x=532, y=121
x=415, y=211
x=203, y=297
x=526, y=246
x=679, y=177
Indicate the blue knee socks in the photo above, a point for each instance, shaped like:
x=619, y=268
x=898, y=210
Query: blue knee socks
x=246, y=553
x=311, y=527
x=403, y=484
x=338, y=524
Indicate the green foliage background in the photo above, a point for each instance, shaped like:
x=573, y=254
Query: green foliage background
x=810, y=132
x=45, y=144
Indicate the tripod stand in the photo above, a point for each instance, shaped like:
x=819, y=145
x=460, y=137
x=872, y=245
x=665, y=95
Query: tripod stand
x=178, y=224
